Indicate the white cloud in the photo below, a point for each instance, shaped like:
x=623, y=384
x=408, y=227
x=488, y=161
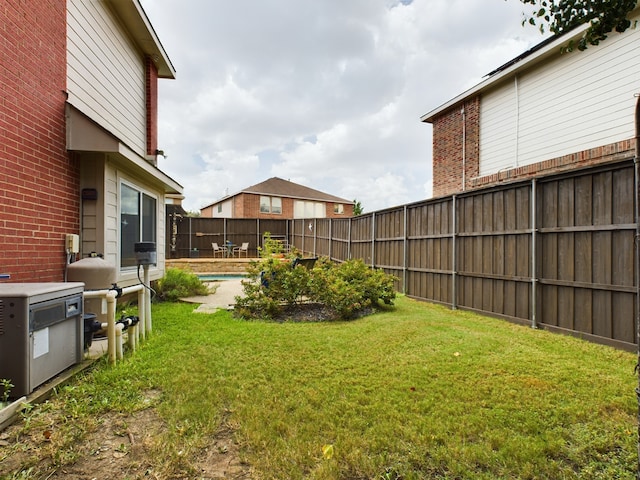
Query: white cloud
x=326, y=93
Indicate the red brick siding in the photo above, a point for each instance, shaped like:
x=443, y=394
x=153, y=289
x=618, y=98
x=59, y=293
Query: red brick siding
x=447, y=154
x=248, y=206
x=206, y=212
x=448, y=132
x=614, y=152
x=39, y=183
x=152, y=106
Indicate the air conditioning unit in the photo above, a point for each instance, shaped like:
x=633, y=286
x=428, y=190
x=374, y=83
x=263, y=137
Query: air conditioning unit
x=41, y=332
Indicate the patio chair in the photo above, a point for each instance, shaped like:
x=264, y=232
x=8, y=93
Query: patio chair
x=217, y=249
x=244, y=248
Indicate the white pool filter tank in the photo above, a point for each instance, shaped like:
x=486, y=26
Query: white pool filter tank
x=96, y=274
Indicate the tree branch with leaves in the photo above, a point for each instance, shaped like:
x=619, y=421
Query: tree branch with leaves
x=560, y=16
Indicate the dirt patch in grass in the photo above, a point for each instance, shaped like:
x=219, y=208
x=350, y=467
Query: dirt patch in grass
x=118, y=446
x=314, y=312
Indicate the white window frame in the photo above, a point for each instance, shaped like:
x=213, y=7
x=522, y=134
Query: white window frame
x=270, y=205
x=145, y=233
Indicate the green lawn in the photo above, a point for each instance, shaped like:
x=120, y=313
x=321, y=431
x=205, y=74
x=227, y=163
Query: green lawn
x=417, y=392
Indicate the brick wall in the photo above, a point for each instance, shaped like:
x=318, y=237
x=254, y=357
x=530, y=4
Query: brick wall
x=248, y=206
x=39, y=183
x=448, y=152
x=449, y=129
x=614, y=152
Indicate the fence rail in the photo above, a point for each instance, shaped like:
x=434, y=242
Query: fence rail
x=556, y=252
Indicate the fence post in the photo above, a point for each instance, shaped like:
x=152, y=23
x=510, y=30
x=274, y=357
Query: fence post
x=405, y=253
x=315, y=235
x=330, y=238
x=454, y=259
x=304, y=233
x=637, y=262
x=349, y=243
x=534, y=277
x=373, y=239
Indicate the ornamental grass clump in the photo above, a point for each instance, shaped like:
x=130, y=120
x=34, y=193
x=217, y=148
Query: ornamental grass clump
x=279, y=288
x=177, y=284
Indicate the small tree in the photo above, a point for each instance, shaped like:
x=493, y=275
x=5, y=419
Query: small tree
x=560, y=16
x=357, y=207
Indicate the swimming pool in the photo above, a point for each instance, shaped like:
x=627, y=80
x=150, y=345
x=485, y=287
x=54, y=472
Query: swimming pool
x=219, y=277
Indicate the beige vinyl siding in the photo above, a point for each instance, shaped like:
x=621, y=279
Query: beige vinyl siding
x=105, y=73
x=112, y=217
x=227, y=210
x=309, y=209
x=574, y=102
x=498, y=126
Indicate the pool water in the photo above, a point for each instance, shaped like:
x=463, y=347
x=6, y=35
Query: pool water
x=221, y=277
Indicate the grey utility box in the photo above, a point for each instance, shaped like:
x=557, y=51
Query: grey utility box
x=41, y=332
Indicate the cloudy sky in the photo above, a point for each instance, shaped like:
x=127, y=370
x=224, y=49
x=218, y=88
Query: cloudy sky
x=325, y=93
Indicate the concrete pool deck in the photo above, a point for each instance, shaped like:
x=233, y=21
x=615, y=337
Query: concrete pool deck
x=223, y=298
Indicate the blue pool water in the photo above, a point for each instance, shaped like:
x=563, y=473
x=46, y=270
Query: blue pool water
x=221, y=277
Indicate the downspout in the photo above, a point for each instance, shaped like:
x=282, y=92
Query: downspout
x=464, y=149
x=517, y=122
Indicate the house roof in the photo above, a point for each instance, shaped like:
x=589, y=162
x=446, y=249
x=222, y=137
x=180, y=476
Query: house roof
x=277, y=187
x=543, y=50
x=135, y=19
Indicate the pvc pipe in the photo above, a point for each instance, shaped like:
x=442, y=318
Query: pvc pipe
x=119, y=354
x=111, y=326
x=114, y=331
x=142, y=310
x=118, y=339
x=147, y=303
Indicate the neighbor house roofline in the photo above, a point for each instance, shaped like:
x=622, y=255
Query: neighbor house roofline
x=278, y=187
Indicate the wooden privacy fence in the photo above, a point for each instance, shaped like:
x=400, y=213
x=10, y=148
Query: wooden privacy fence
x=556, y=252
x=193, y=236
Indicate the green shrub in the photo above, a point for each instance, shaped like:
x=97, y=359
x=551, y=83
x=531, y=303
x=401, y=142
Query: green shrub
x=178, y=284
x=350, y=287
x=275, y=284
x=272, y=285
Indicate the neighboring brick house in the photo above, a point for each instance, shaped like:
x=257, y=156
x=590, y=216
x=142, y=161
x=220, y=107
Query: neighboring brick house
x=78, y=135
x=542, y=112
x=278, y=198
